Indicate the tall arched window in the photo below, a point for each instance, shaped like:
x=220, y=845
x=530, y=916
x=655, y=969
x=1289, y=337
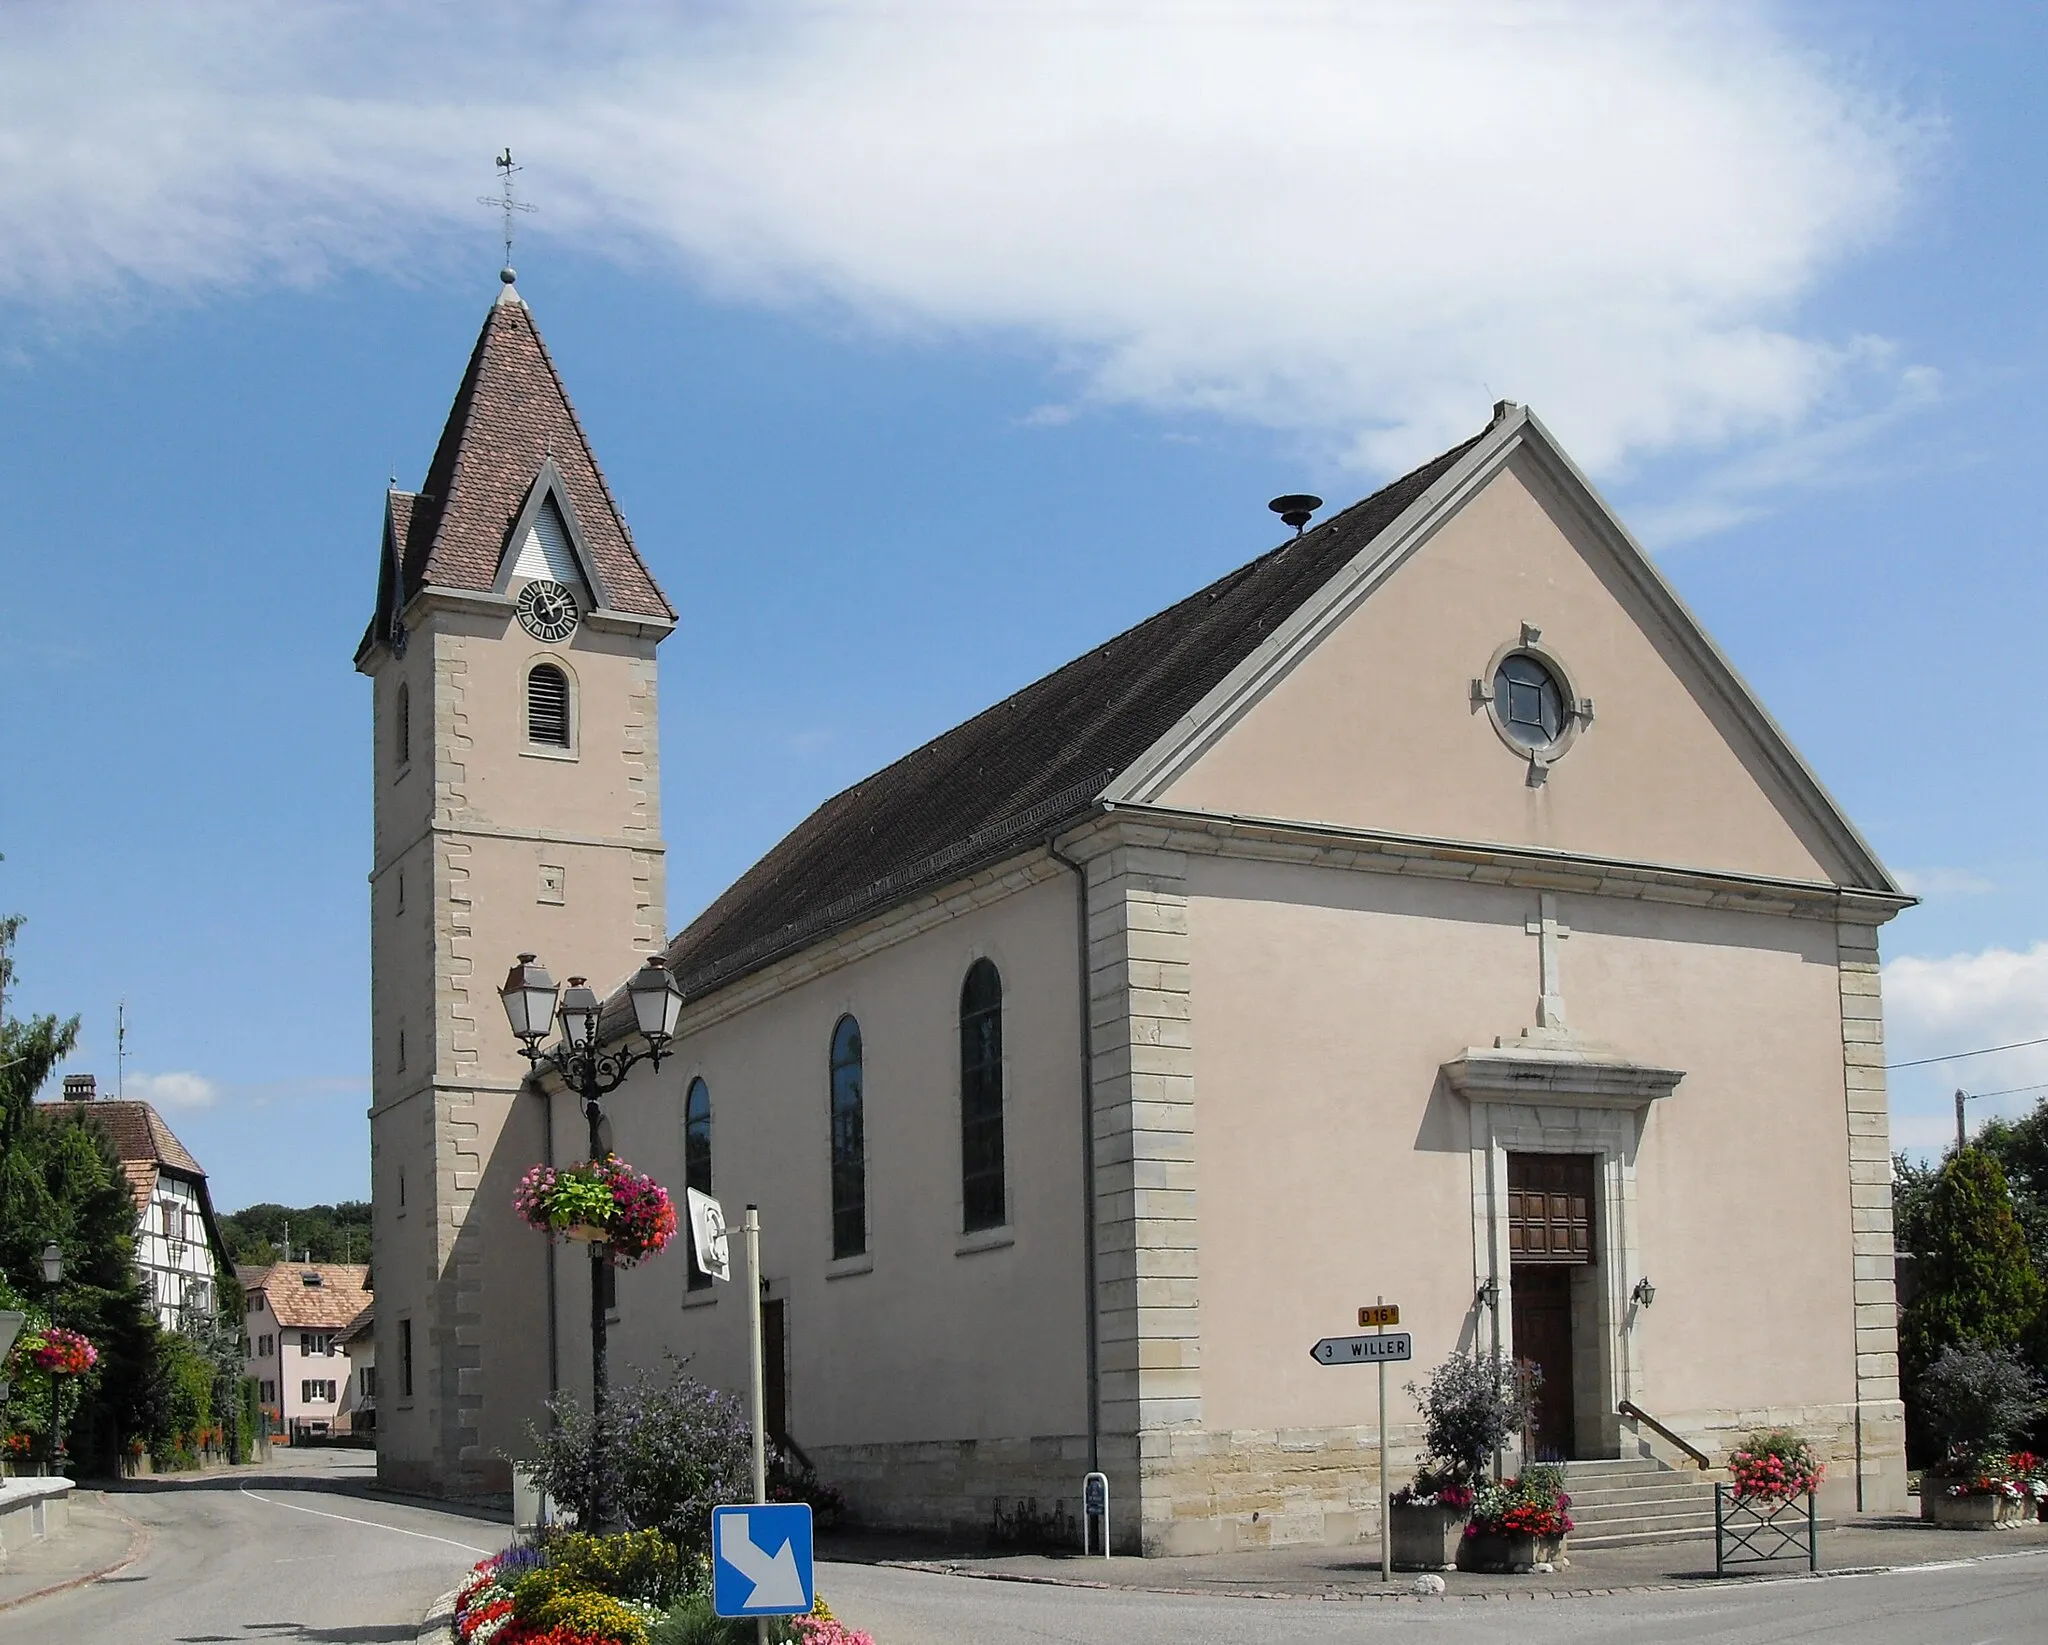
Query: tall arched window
x=547, y=706
x=849, y=1144
x=981, y=1097
x=401, y=725
x=697, y=1158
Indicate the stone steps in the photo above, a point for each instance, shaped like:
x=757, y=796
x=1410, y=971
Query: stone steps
x=1635, y=1500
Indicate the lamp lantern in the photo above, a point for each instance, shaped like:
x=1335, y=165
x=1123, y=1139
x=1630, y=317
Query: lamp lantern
x=529, y=996
x=579, y=1013
x=53, y=1262
x=657, y=1005
x=1644, y=1293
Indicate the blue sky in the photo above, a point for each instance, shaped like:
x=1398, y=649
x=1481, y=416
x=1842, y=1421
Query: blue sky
x=926, y=347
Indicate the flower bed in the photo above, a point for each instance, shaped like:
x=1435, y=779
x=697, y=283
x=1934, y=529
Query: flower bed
x=1517, y=1523
x=631, y=1214
x=630, y=1589
x=1774, y=1467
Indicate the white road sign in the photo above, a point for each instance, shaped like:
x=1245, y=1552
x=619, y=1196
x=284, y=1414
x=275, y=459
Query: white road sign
x=1365, y=1350
x=707, y=1234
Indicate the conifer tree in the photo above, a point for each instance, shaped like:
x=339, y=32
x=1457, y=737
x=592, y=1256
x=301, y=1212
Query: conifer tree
x=1977, y=1278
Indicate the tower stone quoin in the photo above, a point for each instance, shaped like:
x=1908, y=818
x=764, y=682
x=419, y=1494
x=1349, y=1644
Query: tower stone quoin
x=517, y=806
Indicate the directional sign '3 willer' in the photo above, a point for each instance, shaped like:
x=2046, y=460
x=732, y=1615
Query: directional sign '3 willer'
x=761, y=1559
x=1368, y=1350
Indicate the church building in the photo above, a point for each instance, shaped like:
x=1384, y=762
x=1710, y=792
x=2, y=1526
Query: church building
x=1424, y=911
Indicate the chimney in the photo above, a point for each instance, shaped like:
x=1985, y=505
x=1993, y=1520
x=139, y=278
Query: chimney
x=78, y=1087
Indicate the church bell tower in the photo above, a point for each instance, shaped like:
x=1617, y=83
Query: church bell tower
x=518, y=808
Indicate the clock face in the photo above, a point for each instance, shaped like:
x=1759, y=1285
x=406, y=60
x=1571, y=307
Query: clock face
x=547, y=611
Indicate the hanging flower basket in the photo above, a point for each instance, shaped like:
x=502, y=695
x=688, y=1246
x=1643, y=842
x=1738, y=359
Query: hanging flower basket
x=602, y=1202
x=55, y=1349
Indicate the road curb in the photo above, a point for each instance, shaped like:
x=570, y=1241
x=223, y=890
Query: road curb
x=138, y=1545
x=437, y=1627
x=1400, y=1591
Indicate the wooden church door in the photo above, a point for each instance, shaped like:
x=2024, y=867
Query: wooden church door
x=1550, y=1233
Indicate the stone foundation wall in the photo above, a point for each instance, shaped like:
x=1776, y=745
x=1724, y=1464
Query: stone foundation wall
x=952, y=1487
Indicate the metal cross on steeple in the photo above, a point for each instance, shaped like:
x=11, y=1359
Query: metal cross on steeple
x=507, y=204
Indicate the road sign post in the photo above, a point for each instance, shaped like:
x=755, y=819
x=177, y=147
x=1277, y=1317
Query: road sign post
x=1381, y=1348
x=1386, y=1497
x=752, y=1230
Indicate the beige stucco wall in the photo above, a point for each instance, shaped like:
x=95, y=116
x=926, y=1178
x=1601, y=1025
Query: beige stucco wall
x=1335, y=1164
x=902, y=1366
x=471, y=822
x=1377, y=727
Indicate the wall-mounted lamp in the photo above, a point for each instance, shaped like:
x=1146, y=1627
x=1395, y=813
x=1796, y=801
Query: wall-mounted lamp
x=1488, y=1295
x=1645, y=1293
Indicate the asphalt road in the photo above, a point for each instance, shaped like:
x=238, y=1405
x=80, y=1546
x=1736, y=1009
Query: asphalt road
x=1984, y=1603
x=293, y=1555
x=285, y=1555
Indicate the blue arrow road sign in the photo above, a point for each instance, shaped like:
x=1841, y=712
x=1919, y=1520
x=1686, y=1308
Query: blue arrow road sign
x=761, y=1560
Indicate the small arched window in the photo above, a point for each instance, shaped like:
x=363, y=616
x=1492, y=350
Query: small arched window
x=849, y=1144
x=547, y=706
x=697, y=1158
x=401, y=725
x=981, y=1098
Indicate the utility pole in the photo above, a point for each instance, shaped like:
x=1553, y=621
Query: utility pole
x=1962, y=1137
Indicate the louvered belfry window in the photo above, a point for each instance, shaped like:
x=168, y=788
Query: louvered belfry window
x=547, y=706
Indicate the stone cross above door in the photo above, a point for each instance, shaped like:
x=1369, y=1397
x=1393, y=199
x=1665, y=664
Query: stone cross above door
x=1548, y=930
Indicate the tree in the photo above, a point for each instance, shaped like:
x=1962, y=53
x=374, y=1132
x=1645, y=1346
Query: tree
x=332, y=1233
x=2021, y=1147
x=60, y=1180
x=1977, y=1282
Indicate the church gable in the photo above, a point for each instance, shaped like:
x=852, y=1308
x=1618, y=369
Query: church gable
x=1408, y=699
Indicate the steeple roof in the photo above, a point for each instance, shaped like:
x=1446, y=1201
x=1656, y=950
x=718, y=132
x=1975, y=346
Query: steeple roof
x=511, y=418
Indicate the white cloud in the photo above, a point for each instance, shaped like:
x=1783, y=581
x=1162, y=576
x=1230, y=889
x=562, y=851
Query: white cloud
x=1964, y=1002
x=180, y=1090
x=1943, y=883
x=1358, y=221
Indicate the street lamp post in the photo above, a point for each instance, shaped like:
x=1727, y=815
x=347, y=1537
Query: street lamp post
x=533, y=1003
x=53, y=1275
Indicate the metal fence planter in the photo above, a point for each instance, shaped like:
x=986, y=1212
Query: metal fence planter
x=1753, y=1531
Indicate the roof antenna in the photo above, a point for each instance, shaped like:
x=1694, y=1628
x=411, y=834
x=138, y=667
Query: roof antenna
x=1295, y=509
x=120, y=1047
x=508, y=205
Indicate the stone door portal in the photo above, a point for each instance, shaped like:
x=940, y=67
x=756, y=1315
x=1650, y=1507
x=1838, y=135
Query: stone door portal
x=1550, y=1236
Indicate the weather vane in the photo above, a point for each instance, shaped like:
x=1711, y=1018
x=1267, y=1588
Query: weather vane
x=507, y=204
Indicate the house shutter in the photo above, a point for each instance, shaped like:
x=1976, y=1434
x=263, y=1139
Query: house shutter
x=1550, y=1208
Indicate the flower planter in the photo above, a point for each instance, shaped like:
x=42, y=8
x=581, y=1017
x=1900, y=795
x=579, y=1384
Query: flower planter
x=1977, y=1513
x=1508, y=1551
x=1426, y=1537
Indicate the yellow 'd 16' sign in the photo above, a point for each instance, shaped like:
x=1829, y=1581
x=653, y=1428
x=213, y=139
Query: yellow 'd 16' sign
x=1380, y=1313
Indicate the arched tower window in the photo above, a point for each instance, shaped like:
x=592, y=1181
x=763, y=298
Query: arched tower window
x=849, y=1144
x=401, y=725
x=697, y=1159
x=547, y=706
x=981, y=1097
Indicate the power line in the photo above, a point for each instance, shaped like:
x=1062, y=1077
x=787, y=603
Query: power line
x=1957, y=1056
x=2009, y=1091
